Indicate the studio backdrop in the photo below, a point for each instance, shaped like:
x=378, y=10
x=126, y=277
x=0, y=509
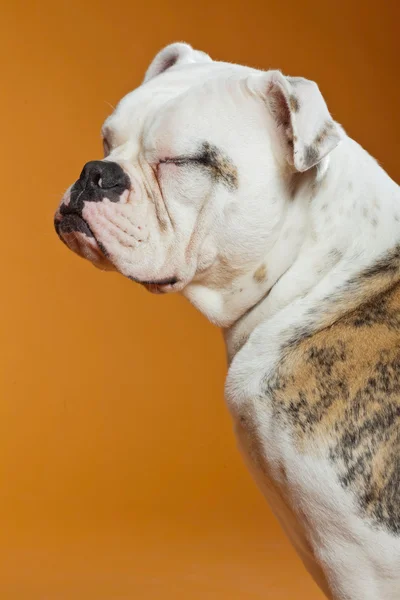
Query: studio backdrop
x=119, y=474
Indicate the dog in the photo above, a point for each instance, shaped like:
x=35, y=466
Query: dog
x=235, y=187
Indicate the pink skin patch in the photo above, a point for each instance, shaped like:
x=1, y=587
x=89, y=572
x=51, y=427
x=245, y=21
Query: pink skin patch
x=112, y=224
x=67, y=199
x=123, y=199
x=67, y=196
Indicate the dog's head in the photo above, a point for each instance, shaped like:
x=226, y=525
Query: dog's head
x=196, y=178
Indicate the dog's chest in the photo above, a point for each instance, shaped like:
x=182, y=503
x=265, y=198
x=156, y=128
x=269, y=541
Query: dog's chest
x=291, y=489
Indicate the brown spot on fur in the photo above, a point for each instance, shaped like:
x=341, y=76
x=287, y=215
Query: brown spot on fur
x=324, y=133
x=311, y=155
x=294, y=103
x=261, y=274
x=311, y=152
x=222, y=274
x=225, y=171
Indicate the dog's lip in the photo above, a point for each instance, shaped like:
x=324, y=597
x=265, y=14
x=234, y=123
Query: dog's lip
x=159, y=286
x=77, y=235
x=160, y=282
x=72, y=223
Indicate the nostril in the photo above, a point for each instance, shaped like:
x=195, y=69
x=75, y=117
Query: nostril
x=104, y=185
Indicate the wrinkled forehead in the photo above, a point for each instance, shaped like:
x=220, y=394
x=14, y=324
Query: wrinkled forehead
x=190, y=94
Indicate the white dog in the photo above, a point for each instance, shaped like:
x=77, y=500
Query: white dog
x=236, y=187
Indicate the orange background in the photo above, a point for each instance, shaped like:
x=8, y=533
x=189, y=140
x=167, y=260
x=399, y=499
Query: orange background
x=119, y=473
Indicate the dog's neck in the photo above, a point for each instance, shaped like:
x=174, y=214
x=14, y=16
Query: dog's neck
x=353, y=208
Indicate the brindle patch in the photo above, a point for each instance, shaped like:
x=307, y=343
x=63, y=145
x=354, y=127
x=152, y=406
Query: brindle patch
x=299, y=334
x=376, y=312
x=340, y=388
x=387, y=265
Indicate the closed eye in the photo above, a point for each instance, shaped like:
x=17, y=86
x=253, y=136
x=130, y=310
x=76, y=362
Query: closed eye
x=218, y=166
x=180, y=160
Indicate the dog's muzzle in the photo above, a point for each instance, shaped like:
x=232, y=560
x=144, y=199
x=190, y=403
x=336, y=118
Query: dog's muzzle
x=98, y=181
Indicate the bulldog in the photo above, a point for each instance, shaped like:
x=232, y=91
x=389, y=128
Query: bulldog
x=236, y=187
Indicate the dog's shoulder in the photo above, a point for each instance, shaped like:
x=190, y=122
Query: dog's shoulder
x=339, y=390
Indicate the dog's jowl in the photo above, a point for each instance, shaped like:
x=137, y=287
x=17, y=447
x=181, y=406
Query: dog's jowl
x=236, y=187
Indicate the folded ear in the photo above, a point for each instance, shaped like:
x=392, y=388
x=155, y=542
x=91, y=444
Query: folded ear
x=174, y=54
x=305, y=128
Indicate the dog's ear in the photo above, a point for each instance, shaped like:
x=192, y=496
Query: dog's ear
x=305, y=128
x=174, y=54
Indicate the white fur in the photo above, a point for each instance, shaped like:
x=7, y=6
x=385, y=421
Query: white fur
x=311, y=240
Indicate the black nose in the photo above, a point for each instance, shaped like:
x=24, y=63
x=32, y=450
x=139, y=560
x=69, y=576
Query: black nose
x=105, y=175
x=99, y=179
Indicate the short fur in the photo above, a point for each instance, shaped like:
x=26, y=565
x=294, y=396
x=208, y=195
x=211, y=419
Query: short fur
x=237, y=188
